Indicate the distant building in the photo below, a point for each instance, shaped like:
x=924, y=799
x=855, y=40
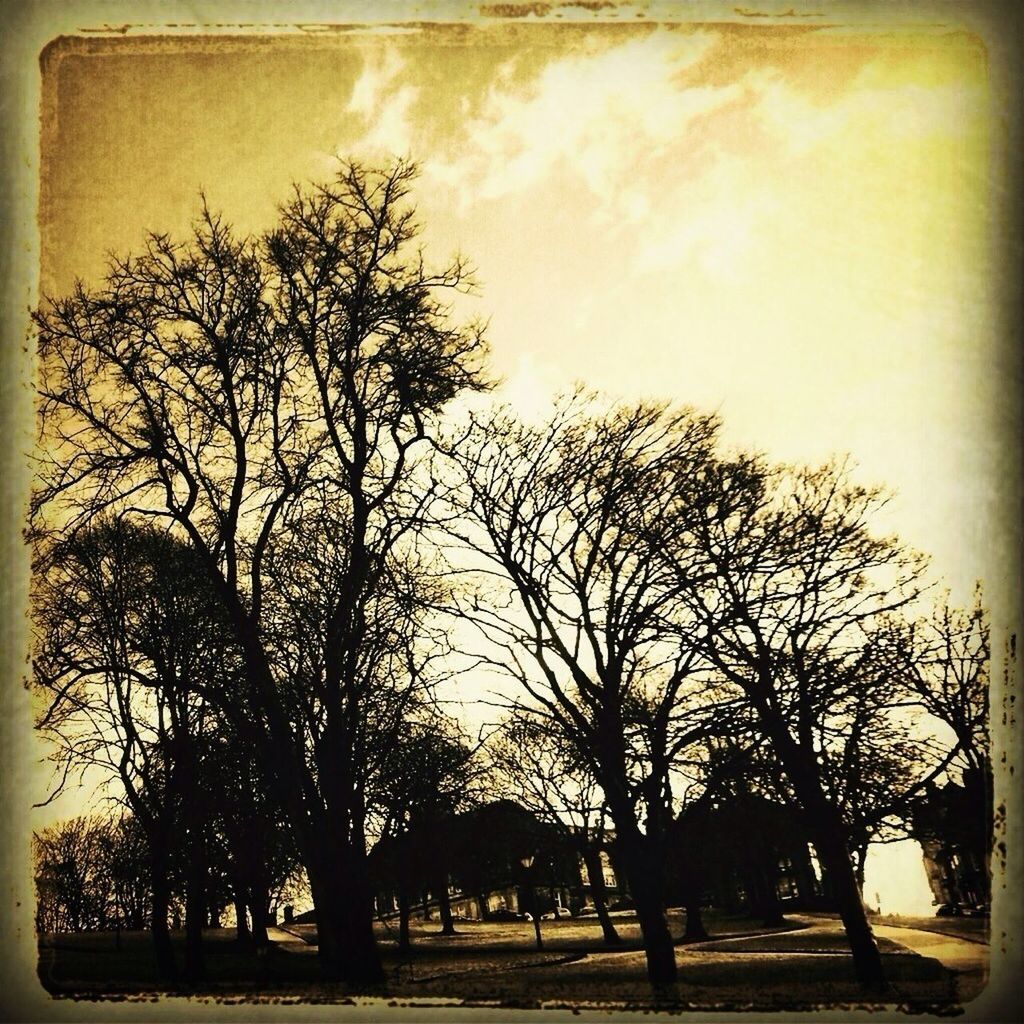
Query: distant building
x=953, y=824
x=745, y=853
x=479, y=855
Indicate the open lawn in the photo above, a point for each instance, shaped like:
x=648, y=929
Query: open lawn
x=806, y=963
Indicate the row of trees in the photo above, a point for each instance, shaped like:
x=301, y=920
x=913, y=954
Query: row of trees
x=255, y=530
x=91, y=875
x=648, y=591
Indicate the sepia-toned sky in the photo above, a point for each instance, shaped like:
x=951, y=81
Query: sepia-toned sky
x=789, y=224
x=793, y=225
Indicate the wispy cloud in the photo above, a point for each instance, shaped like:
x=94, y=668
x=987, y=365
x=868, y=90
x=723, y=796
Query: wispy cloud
x=384, y=105
x=685, y=173
x=601, y=115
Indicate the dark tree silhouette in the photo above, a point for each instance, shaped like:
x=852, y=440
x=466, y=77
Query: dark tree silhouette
x=798, y=581
x=429, y=775
x=944, y=661
x=75, y=882
x=565, y=523
x=129, y=636
x=215, y=384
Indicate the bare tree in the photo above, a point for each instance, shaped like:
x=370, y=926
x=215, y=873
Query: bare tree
x=799, y=581
x=129, y=637
x=563, y=524
x=215, y=384
x=542, y=772
x=945, y=660
x=429, y=774
x=75, y=888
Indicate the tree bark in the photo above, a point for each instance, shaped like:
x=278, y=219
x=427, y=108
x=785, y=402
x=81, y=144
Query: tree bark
x=643, y=869
x=832, y=852
x=344, y=920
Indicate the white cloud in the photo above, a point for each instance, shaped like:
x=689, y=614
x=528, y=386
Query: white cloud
x=697, y=174
x=904, y=112
x=601, y=114
x=383, y=105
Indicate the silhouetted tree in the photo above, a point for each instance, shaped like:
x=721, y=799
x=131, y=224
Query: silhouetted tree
x=75, y=886
x=128, y=635
x=944, y=661
x=565, y=522
x=216, y=384
x=798, y=580
x=429, y=775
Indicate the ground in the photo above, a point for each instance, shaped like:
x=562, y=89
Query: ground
x=805, y=963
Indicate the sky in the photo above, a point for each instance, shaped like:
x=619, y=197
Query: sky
x=791, y=224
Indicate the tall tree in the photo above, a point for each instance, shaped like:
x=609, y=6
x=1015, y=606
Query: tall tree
x=129, y=635
x=220, y=384
x=799, y=579
x=564, y=522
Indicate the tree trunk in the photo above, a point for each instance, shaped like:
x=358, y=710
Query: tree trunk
x=695, y=930
x=829, y=836
x=195, y=910
x=335, y=866
x=259, y=901
x=599, y=894
x=444, y=906
x=643, y=870
x=165, y=964
x=769, y=905
x=344, y=918
x=832, y=852
x=641, y=857
x=242, y=934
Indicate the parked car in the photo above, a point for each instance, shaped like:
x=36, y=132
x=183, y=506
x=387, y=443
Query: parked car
x=504, y=914
x=950, y=910
x=551, y=915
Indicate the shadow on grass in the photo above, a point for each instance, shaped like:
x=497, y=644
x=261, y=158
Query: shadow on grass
x=492, y=964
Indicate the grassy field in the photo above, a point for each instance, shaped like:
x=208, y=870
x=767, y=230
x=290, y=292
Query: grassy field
x=497, y=963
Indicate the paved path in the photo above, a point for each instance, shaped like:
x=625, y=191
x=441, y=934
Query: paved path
x=288, y=942
x=960, y=955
